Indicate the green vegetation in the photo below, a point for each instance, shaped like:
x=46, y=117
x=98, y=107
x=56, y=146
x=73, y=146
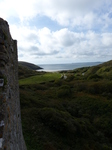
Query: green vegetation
x=40, y=78
x=29, y=65
x=71, y=114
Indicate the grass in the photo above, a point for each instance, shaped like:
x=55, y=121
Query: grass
x=40, y=78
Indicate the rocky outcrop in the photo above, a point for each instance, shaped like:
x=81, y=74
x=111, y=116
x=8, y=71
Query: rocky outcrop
x=11, y=137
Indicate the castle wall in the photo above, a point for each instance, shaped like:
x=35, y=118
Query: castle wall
x=11, y=137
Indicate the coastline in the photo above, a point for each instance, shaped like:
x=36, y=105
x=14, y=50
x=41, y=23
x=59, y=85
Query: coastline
x=65, y=67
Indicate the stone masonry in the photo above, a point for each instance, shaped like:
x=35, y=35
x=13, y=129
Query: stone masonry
x=11, y=137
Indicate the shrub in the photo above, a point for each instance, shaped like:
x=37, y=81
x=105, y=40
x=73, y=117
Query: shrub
x=58, y=83
x=64, y=91
x=70, y=77
x=94, y=76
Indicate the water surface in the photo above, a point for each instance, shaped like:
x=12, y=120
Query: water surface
x=69, y=66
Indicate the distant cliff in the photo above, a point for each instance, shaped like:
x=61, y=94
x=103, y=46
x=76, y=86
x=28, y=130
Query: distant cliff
x=29, y=65
x=11, y=137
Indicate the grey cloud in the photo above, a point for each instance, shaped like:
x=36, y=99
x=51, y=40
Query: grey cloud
x=72, y=5
x=83, y=52
x=21, y=49
x=32, y=37
x=42, y=53
x=59, y=57
x=29, y=49
x=33, y=48
x=68, y=40
x=21, y=55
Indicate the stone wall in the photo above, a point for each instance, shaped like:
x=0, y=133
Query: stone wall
x=11, y=137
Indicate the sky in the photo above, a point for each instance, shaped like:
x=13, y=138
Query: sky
x=60, y=31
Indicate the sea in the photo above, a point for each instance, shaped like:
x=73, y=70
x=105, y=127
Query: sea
x=68, y=66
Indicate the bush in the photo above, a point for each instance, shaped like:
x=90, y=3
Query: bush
x=58, y=82
x=64, y=91
x=94, y=76
x=70, y=77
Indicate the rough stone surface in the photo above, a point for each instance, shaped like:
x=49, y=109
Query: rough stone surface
x=11, y=137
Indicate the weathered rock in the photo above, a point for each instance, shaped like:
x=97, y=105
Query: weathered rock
x=11, y=137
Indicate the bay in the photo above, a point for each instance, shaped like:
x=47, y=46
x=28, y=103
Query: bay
x=68, y=66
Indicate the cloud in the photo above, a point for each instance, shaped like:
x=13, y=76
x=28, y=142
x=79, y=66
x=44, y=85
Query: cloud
x=22, y=8
x=84, y=31
x=107, y=39
x=65, y=44
x=36, y=54
x=81, y=14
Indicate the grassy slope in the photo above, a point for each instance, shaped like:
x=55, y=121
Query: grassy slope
x=44, y=77
x=68, y=114
x=29, y=65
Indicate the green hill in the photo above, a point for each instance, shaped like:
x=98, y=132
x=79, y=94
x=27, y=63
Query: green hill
x=68, y=114
x=29, y=65
x=103, y=70
x=26, y=69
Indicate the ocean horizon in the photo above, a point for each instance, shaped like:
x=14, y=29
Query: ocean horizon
x=66, y=66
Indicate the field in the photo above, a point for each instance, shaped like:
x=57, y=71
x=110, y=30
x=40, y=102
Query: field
x=68, y=114
x=44, y=77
